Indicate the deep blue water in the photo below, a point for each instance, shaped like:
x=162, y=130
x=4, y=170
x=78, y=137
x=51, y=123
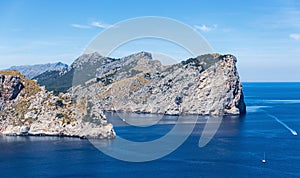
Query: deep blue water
x=235, y=151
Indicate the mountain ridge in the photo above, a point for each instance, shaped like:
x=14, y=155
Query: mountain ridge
x=61, y=82
x=138, y=78
x=173, y=89
x=31, y=71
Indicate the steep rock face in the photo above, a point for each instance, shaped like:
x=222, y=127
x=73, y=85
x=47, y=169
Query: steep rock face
x=10, y=87
x=208, y=84
x=14, y=87
x=30, y=109
x=31, y=71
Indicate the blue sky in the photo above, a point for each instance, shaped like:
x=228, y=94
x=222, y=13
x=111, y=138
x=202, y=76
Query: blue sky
x=263, y=35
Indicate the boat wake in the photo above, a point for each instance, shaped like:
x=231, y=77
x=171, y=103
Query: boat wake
x=283, y=124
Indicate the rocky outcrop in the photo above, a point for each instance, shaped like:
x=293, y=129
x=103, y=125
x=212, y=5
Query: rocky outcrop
x=207, y=85
x=27, y=109
x=31, y=71
x=10, y=87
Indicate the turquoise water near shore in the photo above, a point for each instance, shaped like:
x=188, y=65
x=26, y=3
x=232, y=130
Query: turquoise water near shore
x=235, y=151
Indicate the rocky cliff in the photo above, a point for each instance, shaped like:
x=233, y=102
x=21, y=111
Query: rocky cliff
x=28, y=109
x=207, y=85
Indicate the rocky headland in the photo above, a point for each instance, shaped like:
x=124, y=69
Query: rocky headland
x=70, y=101
x=206, y=85
x=28, y=109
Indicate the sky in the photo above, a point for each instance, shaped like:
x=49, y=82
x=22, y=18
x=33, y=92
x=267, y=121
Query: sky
x=263, y=35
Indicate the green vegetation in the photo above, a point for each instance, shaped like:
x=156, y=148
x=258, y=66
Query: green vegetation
x=55, y=82
x=205, y=61
x=59, y=115
x=59, y=103
x=107, y=79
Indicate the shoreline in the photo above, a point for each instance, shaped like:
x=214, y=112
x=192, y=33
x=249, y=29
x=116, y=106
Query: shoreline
x=55, y=135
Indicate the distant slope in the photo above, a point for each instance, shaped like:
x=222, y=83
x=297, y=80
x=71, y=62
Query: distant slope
x=31, y=71
x=58, y=81
x=55, y=81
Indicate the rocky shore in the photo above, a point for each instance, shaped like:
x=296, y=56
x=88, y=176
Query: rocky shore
x=28, y=109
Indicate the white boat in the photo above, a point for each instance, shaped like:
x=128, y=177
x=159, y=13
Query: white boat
x=264, y=160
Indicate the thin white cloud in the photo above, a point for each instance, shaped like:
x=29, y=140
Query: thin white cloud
x=97, y=24
x=80, y=26
x=295, y=36
x=100, y=24
x=205, y=28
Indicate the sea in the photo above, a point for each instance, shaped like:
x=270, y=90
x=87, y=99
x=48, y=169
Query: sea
x=270, y=130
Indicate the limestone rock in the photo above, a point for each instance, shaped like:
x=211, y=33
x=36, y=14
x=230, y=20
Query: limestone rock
x=42, y=113
x=207, y=85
